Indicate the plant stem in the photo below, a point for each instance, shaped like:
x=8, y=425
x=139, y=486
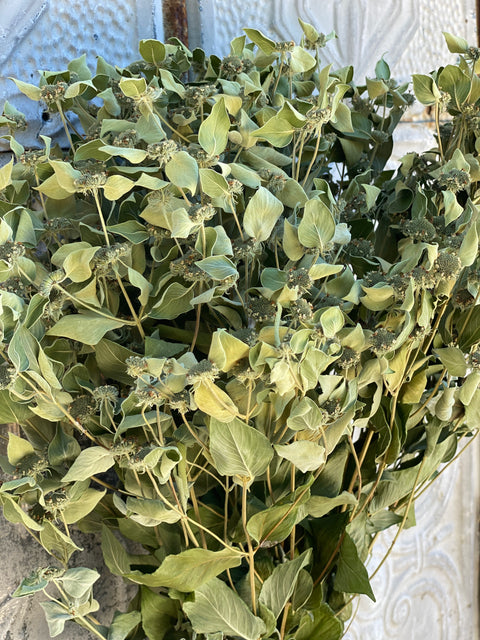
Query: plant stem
x=65, y=125
x=100, y=215
x=251, y=553
x=312, y=161
x=402, y=524
x=437, y=126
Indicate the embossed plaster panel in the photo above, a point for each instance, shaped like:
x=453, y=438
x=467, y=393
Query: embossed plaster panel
x=366, y=28
x=47, y=34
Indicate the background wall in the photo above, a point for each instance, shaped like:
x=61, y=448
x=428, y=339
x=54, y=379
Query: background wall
x=428, y=587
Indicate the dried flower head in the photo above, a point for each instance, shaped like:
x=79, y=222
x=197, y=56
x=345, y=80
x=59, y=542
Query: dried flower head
x=136, y=366
x=10, y=252
x=261, y=309
x=383, y=341
x=203, y=371
x=420, y=229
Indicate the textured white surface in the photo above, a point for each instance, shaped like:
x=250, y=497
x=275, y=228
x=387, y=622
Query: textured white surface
x=427, y=589
x=366, y=28
x=47, y=34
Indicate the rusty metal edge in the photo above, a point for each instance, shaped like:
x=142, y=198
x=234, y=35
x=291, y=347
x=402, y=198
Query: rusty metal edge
x=175, y=23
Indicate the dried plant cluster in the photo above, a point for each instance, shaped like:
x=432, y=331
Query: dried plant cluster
x=229, y=334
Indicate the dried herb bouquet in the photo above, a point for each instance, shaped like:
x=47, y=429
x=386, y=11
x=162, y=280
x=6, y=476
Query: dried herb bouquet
x=230, y=335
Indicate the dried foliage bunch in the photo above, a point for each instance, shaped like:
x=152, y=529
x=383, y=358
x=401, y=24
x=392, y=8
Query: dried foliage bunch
x=229, y=334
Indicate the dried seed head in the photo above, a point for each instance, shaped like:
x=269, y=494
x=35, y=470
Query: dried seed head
x=301, y=279
x=203, y=371
x=163, y=151
x=10, y=252
x=136, y=366
x=83, y=408
x=261, y=309
x=447, y=265
x=383, y=341
x=52, y=93
x=454, y=180
x=106, y=393
x=420, y=230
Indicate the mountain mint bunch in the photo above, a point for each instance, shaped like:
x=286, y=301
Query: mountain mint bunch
x=236, y=343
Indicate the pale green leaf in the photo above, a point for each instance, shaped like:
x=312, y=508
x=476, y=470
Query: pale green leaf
x=261, y=214
x=218, y=608
x=213, y=132
x=238, y=449
x=303, y=454
x=90, y=462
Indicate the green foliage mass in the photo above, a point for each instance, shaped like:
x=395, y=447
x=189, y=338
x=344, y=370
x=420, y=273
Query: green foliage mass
x=230, y=333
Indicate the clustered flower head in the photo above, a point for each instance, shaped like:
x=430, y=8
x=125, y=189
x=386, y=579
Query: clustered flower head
x=233, y=65
x=181, y=402
x=204, y=159
x=199, y=213
x=284, y=45
x=423, y=277
x=383, y=341
x=454, y=180
x=83, y=407
x=246, y=249
x=53, y=93
x=379, y=137
x=151, y=396
x=420, y=229
x=300, y=279
x=10, y=252
x=195, y=96
x=16, y=285
x=107, y=257
x=7, y=376
x=186, y=268
x=235, y=188
x=261, y=309
x=162, y=152
x=348, y=358
x=447, y=265
x=126, y=139
x=56, y=503
x=361, y=247
x=203, y=371
x=32, y=158
x=301, y=310
x=316, y=118
x=89, y=182
x=275, y=182
x=136, y=366
x=105, y=393
x=32, y=466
